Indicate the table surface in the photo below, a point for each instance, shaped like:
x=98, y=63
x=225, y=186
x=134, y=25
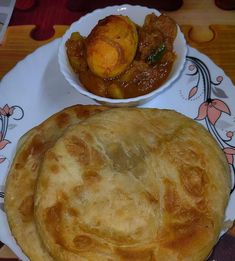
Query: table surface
x=206, y=27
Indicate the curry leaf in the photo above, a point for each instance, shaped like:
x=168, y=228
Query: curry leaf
x=157, y=54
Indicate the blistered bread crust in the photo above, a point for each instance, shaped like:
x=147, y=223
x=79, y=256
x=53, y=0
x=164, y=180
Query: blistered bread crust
x=111, y=46
x=132, y=184
x=22, y=177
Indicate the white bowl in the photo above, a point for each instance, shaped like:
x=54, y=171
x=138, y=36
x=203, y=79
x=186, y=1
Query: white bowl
x=137, y=14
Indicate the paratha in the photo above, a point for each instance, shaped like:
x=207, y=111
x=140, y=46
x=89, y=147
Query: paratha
x=21, y=180
x=132, y=184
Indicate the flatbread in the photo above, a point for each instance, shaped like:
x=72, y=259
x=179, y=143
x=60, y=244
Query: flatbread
x=21, y=180
x=132, y=184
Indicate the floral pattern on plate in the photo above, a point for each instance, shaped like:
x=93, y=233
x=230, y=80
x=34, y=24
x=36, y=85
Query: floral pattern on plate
x=211, y=109
x=5, y=114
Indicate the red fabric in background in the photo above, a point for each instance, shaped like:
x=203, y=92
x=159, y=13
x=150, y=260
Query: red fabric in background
x=226, y=5
x=46, y=13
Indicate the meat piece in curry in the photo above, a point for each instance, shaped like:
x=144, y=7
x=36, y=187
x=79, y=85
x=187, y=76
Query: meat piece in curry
x=149, y=69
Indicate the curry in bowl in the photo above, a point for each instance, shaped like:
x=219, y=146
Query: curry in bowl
x=120, y=59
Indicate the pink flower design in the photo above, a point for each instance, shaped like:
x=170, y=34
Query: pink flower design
x=229, y=152
x=212, y=109
x=229, y=134
x=191, y=67
x=192, y=92
x=6, y=110
x=2, y=159
x=219, y=78
x=3, y=142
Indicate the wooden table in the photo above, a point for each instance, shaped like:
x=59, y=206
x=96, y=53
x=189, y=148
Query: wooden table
x=206, y=27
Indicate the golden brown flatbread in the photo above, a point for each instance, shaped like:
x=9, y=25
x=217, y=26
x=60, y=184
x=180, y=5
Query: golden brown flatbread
x=21, y=181
x=132, y=184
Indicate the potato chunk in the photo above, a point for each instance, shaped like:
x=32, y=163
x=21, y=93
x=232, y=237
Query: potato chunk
x=111, y=46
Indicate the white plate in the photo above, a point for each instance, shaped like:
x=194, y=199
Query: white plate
x=36, y=89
